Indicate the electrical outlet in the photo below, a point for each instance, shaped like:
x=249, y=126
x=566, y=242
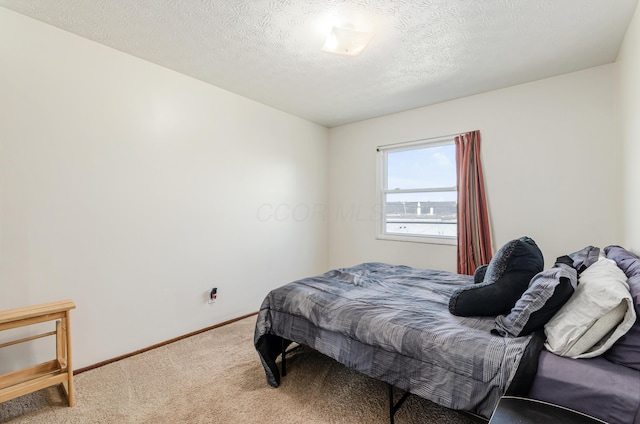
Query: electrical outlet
x=213, y=295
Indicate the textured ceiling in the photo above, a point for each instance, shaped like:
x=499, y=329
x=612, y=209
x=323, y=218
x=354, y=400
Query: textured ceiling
x=424, y=52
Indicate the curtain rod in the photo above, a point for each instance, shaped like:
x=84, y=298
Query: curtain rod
x=421, y=140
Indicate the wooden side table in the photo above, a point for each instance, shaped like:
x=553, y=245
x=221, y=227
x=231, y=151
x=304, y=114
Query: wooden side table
x=56, y=371
x=512, y=409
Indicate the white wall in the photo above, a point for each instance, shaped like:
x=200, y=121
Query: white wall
x=132, y=190
x=551, y=155
x=629, y=85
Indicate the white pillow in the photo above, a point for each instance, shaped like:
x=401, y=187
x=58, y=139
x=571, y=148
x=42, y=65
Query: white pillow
x=599, y=313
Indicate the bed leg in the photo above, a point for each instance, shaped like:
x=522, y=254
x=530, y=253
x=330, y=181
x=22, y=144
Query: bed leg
x=284, y=358
x=391, y=411
x=393, y=407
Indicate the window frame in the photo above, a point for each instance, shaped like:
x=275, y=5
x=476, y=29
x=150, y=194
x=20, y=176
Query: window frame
x=383, y=191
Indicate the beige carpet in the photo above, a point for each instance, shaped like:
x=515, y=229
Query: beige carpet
x=216, y=377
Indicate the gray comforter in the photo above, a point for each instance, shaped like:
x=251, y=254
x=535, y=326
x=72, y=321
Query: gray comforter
x=393, y=323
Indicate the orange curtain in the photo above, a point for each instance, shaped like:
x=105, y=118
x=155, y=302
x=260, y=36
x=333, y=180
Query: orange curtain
x=474, y=235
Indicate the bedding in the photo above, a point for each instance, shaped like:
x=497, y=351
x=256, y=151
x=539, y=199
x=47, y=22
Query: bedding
x=595, y=386
x=393, y=323
x=606, y=386
x=596, y=316
x=626, y=351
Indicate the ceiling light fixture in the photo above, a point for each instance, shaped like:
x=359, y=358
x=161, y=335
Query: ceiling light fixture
x=346, y=41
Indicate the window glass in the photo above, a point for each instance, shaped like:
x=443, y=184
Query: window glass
x=425, y=167
x=418, y=191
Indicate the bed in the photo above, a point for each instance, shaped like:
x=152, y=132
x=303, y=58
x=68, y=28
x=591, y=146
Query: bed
x=395, y=323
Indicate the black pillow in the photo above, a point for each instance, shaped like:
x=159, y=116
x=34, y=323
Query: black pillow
x=478, y=275
x=507, y=277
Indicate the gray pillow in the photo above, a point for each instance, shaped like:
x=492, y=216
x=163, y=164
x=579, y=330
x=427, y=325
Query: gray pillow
x=547, y=292
x=583, y=259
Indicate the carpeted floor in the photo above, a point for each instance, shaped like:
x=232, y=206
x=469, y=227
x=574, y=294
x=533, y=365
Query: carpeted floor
x=216, y=377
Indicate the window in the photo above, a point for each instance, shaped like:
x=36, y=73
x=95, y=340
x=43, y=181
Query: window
x=418, y=192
